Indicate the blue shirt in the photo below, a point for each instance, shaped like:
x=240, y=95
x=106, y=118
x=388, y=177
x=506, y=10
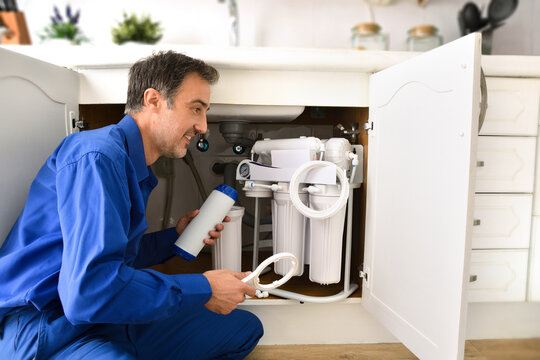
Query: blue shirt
x=80, y=237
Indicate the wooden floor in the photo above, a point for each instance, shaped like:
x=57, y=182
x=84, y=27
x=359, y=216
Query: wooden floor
x=527, y=349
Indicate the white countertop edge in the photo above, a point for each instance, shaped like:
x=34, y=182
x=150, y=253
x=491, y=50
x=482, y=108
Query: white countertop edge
x=260, y=58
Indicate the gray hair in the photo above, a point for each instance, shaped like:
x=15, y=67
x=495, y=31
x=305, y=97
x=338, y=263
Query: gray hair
x=163, y=71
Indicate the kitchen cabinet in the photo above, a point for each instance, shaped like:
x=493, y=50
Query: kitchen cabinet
x=506, y=180
x=417, y=287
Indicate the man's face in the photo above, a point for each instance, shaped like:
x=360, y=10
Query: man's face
x=177, y=126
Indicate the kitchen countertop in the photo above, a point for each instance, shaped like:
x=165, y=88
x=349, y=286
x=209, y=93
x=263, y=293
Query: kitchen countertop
x=253, y=58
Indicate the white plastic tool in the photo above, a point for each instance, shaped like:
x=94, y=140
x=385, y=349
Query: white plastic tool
x=253, y=278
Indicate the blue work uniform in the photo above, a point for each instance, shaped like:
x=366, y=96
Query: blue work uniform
x=73, y=281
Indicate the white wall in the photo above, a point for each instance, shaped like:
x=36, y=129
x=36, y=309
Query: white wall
x=289, y=23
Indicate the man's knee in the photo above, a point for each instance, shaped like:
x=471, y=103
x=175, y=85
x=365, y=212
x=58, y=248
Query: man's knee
x=251, y=327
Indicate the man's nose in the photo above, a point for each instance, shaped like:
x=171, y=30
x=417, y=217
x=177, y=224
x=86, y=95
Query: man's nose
x=201, y=126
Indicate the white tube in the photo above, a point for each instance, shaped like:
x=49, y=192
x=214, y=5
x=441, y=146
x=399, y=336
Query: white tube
x=306, y=211
x=353, y=172
x=256, y=235
x=315, y=299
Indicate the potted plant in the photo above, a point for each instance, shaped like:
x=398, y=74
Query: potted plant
x=66, y=29
x=135, y=29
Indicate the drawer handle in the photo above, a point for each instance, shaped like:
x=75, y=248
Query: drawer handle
x=473, y=278
x=480, y=163
x=476, y=222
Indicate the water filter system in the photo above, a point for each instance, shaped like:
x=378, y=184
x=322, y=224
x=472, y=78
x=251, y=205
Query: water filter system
x=310, y=182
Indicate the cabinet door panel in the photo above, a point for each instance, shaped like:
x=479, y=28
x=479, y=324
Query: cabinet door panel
x=505, y=164
x=501, y=275
x=421, y=164
x=502, y=221
x=36, y=101
x=513, y=106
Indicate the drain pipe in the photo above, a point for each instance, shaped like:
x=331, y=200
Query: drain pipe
x=233, y=133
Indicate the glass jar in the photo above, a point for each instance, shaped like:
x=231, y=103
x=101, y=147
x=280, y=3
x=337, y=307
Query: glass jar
x=423, y=38
x=367, y=36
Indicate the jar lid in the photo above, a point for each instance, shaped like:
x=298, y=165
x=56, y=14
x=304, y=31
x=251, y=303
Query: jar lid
x=423, y=30
x=367, y=28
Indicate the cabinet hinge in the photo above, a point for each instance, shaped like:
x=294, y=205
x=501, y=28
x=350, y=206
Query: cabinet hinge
x=363, y=275
x=363, y=272
x=79, y=124
x=368, y=126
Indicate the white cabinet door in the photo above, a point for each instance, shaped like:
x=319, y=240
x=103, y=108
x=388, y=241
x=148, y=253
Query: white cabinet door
x=420, y=196
x=37, y=99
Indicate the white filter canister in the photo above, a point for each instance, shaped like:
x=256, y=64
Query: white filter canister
x=336, y=152
x=288, y=231
x=212, y=212
x=326, y=242
x=227, y=252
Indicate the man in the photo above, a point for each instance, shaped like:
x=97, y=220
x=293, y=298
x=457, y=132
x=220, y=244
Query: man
x=73, y=277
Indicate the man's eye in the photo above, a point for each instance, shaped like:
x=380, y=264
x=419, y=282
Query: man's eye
x=197, y=110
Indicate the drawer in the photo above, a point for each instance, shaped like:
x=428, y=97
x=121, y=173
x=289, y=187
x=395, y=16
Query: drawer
x=502, y=221
x=513, y=106
x=505, y=164
x=501, y=275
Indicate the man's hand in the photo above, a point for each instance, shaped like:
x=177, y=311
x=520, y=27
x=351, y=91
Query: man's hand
x=213, y=234
x=227, y=290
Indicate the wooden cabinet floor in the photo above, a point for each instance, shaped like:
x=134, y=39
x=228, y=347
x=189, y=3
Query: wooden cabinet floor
x=519, y=349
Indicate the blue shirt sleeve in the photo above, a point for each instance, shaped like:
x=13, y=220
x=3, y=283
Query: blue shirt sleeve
x=156, y=248
x=95, y=283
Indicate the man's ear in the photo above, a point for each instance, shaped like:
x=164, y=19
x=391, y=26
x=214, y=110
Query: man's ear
x=152, y=98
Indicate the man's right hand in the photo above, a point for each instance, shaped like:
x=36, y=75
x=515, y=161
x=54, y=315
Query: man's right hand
x=227, y=290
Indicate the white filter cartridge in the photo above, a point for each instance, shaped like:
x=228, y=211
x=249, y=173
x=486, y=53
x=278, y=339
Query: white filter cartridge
x=227, y=252
x=288, y=231
x=212, y=212
x=326, y=242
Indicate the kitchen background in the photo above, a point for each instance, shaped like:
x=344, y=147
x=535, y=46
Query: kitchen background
x=289, y=23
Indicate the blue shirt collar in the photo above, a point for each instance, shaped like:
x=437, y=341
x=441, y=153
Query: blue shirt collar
x=135, y=146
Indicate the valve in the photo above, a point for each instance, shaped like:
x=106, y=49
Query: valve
x=202, y=144
x=238, y=149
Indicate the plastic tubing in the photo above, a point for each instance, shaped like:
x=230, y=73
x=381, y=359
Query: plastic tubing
x=318, y=214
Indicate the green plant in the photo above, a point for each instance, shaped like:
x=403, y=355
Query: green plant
x=64, y=29
x=133, y=28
